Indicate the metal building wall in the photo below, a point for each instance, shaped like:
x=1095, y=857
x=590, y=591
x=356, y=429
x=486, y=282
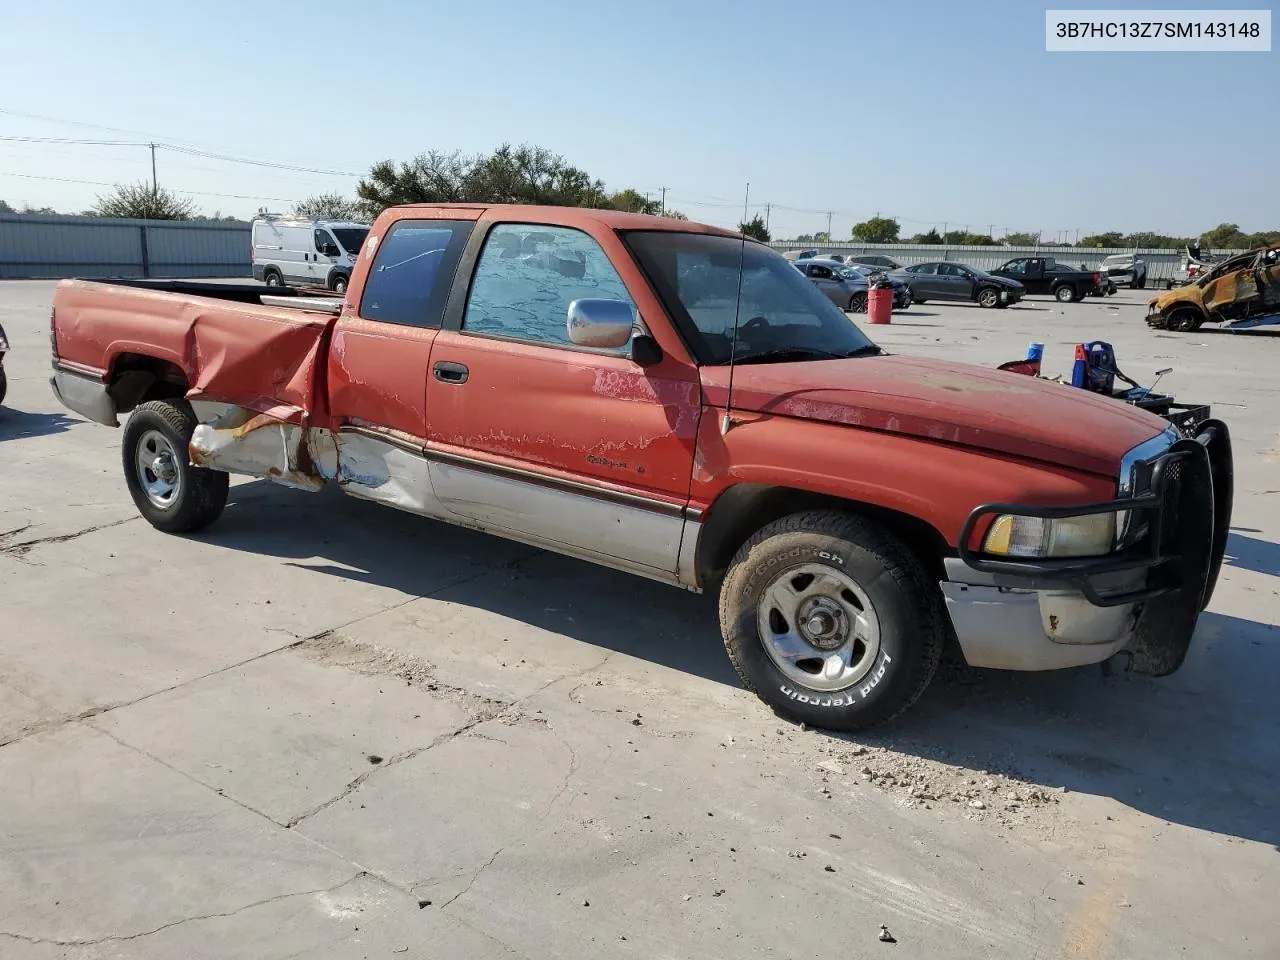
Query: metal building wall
x=45, y=247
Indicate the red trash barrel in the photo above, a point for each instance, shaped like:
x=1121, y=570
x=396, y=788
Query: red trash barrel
x=879, y=304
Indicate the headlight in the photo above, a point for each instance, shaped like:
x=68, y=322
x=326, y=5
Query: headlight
x=1087, y=536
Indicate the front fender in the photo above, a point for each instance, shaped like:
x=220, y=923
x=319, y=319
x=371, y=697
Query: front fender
x=935, y=482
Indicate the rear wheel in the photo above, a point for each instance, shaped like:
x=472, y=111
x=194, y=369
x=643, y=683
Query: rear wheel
x=1065, y=293
x=988, y=297
x=831, y=620
x=858, y=303
x=169, y=492
x=272, y=278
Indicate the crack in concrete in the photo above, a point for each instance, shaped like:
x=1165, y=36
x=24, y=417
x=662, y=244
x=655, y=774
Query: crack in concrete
x=94, y=711
x=23, y=548
x=120, y=938
x=476, y=876
x=399, y=758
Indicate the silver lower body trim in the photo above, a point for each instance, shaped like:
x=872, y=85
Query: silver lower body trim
x=84, y=395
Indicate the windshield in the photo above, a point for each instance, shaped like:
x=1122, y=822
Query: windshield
x=351, y=237
x=782, y=314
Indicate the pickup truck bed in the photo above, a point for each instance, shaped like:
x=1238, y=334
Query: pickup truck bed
x=215, y=340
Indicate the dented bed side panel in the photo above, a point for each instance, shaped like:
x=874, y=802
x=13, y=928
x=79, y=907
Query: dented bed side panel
x=268, y=359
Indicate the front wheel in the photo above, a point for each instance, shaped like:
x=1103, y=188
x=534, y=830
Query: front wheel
x=858, y=303
x=831, y=620
x=1185, y=320
x=339, y=284
x=1065, y=293
x=170, y=493
x=988, y=297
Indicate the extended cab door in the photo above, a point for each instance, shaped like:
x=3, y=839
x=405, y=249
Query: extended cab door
x=531, y=436
x=379, y=357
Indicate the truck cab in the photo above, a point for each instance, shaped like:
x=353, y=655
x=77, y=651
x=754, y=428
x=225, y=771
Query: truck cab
x=1044, y=275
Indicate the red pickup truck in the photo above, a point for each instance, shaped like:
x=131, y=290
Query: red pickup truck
x=671, y=400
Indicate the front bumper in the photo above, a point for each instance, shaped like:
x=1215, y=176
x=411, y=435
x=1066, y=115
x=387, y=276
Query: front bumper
x=1043, y=614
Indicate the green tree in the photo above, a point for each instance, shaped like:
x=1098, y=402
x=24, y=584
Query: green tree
x=963, y=238
x=929, y=236
x=326, y=206
x=633, y=201
x=675, y=215
x=5, y=208
x=876, y=230
x=755, y=229
x=142, y=201
x=1112, y=239
x=1022, y=239
x=1223, y=235
x=523, y=174
x=1263, y=239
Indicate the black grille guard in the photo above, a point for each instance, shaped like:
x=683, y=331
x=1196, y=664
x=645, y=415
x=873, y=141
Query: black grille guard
x=1180, y=512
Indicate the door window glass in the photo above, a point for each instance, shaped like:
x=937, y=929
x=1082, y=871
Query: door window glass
x=527, y=276
x=411, y=275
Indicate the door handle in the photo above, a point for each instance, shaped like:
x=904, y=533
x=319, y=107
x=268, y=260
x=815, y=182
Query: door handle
x=450, y=372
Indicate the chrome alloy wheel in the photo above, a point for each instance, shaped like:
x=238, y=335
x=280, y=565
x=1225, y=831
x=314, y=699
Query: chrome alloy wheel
x=819, y=627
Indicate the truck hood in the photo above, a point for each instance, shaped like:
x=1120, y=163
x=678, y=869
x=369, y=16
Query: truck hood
x=954, y=403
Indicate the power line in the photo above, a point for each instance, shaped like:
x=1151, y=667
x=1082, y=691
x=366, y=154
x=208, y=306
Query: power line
x=189, y=151
x=100, y=183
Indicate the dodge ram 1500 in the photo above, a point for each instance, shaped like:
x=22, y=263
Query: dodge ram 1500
x=674, y=401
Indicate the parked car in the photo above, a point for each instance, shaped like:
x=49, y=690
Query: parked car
x=874, y=260
x=1124, y=270
x=1240, y=291
x=957, y=281
x=314, y=253
x=4, y=380
x=847, y=286
x=855, y=510
x=1046, y=275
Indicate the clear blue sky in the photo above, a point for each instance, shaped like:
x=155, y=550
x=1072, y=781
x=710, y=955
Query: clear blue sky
x=928, y=111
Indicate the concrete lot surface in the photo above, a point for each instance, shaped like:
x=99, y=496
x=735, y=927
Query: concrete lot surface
x=326, y=729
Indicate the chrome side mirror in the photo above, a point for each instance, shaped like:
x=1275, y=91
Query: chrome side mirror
x=600, y=324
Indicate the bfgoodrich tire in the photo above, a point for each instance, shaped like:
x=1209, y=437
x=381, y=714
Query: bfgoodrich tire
x=831, y=620
x=169, y=492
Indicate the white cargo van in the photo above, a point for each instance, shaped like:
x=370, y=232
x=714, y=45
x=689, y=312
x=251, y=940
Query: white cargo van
x=305, y=253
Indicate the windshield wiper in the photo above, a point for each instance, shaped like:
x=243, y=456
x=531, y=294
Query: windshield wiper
x=803, y=353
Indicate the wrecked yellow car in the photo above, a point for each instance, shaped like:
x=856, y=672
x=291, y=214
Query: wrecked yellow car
x=1241, y=291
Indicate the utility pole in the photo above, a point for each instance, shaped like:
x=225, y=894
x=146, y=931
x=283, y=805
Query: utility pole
x=664, y=201
x=767, y=207
x=155, y=187
x=745, y=198
x=828, y=226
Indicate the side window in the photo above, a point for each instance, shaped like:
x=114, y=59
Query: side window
x=819, y=272
x=949, y=270
x=410, y=277
x=322, y=239
x=924, y=268
x=527, y=276
x=1016, y=267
